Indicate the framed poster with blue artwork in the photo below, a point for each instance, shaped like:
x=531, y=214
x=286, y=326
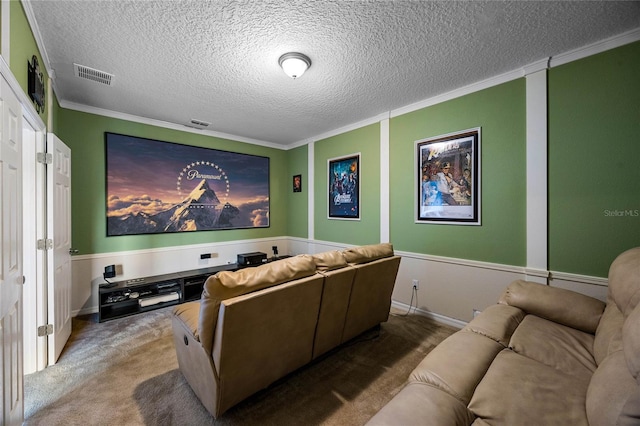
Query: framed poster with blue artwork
x=344, y=187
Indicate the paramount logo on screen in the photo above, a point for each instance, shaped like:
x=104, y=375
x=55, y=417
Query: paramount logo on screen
x=342, y=199
x=194, y=174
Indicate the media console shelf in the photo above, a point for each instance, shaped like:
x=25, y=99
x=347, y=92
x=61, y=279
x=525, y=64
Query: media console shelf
x=130, y=297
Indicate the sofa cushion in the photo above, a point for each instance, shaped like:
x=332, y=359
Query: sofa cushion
x=558, y=346
x=329, y=260
x=449, y=367
x=364, y=254
x=521, y=391
x=421, y=404
x=227, y=284
x=623, y=280
x=556, y=304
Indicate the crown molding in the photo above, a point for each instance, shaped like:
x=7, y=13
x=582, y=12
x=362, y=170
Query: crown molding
x=31, y=18
x=165, y=124
x=595, y=48
x=353, y=126
x=462, y=91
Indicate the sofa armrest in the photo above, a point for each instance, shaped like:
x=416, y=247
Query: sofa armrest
x=188, y=314
x=562, y=306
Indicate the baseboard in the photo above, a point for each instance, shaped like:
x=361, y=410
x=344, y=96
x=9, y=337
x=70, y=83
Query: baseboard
x=85, y=311
x=436, y=317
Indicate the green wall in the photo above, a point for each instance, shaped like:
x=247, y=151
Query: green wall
x=500, y=112
x=84, y=134
x=298, y=202
x=594, y=196
x=594, y=151
x=22, y=48
x=366, y=141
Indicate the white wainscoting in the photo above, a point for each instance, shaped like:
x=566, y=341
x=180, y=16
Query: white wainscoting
x=452, y=288
x=449, y=289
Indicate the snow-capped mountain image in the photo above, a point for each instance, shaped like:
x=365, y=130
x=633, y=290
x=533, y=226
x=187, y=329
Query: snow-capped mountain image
x=200, y=210
x=155, y=187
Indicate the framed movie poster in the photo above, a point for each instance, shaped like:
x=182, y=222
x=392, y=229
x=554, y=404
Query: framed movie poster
x=160, y=187
x=448, y=178
x=344, y=187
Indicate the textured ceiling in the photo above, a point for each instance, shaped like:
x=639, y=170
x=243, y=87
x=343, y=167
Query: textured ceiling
x=217, y=61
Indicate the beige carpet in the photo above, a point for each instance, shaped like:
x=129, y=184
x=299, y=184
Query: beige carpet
x=125, y=372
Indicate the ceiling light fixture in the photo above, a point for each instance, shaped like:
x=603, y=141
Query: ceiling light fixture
x=294, y=64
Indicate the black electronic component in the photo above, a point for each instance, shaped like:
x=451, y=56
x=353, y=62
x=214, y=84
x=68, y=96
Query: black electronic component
x=252, y=259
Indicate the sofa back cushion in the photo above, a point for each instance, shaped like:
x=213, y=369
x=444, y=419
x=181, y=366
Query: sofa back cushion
x=364, y=254
x=631, y=348
x=329, y=260
x=609, y=332
x=624, y=280
x=228, y=284
x=614, y=392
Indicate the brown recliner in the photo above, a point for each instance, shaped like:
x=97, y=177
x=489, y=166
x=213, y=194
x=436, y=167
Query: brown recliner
x=254, y=326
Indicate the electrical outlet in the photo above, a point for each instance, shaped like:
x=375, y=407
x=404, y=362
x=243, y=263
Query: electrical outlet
x=415, y=284
x=208, y=255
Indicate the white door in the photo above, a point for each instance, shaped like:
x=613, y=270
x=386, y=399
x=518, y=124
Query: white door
x=59, y=257
x=11, y=278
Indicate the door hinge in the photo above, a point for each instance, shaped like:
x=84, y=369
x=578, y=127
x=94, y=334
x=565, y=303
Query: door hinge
x=45, y=330
x=44, y=158
x=45, y=244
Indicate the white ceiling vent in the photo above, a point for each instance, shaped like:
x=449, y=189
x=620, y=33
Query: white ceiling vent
x=93, y=74
x=197, y=124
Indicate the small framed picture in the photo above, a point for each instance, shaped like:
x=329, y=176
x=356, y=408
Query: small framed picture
x=297, y=183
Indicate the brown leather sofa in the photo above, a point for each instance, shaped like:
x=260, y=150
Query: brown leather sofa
x=541, y=356
x=254, y=326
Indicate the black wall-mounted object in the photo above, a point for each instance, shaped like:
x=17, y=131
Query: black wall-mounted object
x=35, y=83
x=109, y=271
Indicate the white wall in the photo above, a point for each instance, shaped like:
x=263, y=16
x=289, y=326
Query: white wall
x=450, y=289
x=87, y=270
